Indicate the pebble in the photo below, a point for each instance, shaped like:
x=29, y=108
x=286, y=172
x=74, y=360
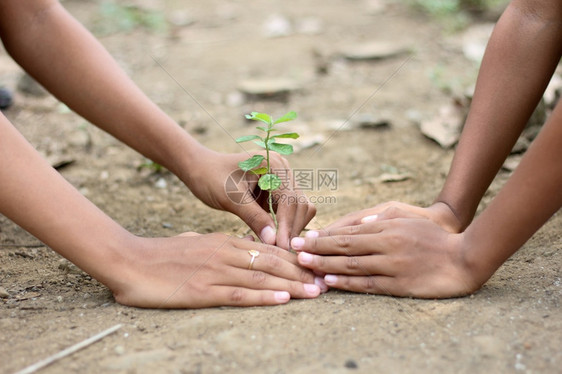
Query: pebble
x=393, y=177
x=277, y=25
x=4, y=294
x=446, y=127
x=351, y=364
x=475, y=39
x=5, y=98
x=267, y=87
x=369, y=121
x=373, y=50
x=161, y=183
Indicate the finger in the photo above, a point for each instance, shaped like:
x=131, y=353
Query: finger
x=260, y=280
x=271, y=260
x=305, y=213
x=239, y=296
x=258, y=220
x=375, y=284
x=347, y=244
x=348, y=265
x=286, y=211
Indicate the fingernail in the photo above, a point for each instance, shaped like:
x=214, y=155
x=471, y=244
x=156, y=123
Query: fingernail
x=330, y=279
x=297, y=243
x=369, y=218
x=312, y=234
x=282, y=296
x=312, y=289
x=305, y=258
x=321, y=284
x=267, y=235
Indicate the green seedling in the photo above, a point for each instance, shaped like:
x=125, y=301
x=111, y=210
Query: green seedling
x=268, y=181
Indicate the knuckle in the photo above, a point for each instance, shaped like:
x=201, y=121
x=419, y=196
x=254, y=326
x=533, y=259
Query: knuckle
x=259, y=277
x=353, y=230
x=352, y=263
x=345, y=241
x=369, y=284
x=237, y=296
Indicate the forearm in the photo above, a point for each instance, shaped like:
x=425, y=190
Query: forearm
x=36, y=197
x=63, y=56
x=530, y=197
x=520, y=59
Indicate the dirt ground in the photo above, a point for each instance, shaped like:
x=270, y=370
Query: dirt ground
x=513, y=324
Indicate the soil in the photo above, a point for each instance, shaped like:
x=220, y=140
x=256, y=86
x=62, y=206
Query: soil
x=513, y=324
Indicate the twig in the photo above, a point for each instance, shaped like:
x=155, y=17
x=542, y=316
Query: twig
x=68, y=351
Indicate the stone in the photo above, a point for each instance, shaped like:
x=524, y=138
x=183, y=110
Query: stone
x=393, y=177
x=277, y=25
x=6, y=99
x=267, y=87
x=369, y=121
x=374, y=50
x=446, y=127
x=4, y=294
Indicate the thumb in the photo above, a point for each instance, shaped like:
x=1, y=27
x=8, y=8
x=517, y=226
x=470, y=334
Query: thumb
x=259, y=221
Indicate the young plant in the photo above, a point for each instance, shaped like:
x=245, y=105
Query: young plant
x=268, y=181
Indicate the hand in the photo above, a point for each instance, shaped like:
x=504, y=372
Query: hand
x=197, y=271
x=399, y=257
x=439, y=213
x=220, y=183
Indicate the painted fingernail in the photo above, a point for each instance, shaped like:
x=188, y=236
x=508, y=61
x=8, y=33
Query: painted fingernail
x=369, y=218
x=312, y=234
x=321, y=284
x=282, y=296
x=267, y=235
x=297, y=243
x=312, y=289
x=305, y=258
x=330, y=279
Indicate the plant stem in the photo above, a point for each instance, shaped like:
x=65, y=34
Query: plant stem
x=270, y=196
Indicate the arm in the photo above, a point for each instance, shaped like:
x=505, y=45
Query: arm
x=521, y=56
x=65, y=58
x=178, y=272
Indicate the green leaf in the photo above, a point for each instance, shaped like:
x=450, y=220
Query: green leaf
x=251, y=163
x=284, y=149
x=292, y=135
x=287, y=117
x=247, y=138
x=269, y=182
x=256, y=116
x=260, y=143
x=259, y=171
x=261, y=128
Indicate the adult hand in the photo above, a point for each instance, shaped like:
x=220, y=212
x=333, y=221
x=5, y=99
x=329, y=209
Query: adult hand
x=197, y=271
x=400, y=257
x=439, y=213
x=220, y=184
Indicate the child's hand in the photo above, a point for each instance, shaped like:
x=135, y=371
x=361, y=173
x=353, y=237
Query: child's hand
x=399, y=257
x=197, y=271
x=439, y=213
x=220, y=183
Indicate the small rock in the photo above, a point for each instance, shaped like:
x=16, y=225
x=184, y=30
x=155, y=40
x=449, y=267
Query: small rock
x=267, y=87
x=5, y=98
x=374, y=51
x=161, y=183
x=4, y=294
x=475, y=39
x=445, y=128
x=305, y=142
x=167, y=225
x=276, y=26
x=553, y=91
x=512, y=162
x=120, y=350
x=28, y=85
x=369, y=121
x=234, y=99
x=520, y=146
x=351, y=364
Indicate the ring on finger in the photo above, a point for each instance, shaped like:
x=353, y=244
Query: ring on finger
x=254, y=254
